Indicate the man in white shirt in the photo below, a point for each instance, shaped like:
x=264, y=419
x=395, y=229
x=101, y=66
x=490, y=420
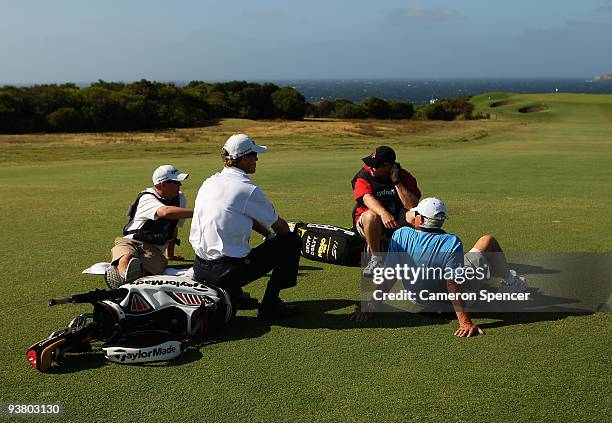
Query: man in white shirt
x=228, y=207
x=152, y=229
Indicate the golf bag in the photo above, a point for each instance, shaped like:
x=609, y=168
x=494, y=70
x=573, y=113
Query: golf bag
x=329, y=244
x=155, y=318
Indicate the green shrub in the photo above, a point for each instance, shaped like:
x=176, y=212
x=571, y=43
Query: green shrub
x=445, y=109
x=349, y=111
x=66, y=119
x=323, y=108
x=289, y=104
x=400, y=110
x=376, y=108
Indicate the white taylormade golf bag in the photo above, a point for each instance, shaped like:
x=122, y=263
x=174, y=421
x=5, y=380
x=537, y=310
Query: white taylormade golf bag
x=152, y=319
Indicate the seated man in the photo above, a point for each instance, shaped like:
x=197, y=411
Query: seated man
x=383, y=194
x=429, y=247
x=152, y=229
x=228, y=207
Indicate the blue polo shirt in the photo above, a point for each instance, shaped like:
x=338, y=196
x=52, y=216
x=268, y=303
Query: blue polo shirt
x=428, y=250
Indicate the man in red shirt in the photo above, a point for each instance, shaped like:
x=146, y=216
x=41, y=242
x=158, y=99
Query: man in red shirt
x=384, y=192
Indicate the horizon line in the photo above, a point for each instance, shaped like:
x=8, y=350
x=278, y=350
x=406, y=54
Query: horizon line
x=313, y=79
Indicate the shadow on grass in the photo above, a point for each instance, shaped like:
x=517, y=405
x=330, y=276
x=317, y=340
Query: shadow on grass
x=315, y=315
x=305, y=274
x=72, y=363
x=528, y=269
x=510, y=319
x=301, y=267
x=187, y=263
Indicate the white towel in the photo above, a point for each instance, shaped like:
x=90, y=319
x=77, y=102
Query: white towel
x=100, y=269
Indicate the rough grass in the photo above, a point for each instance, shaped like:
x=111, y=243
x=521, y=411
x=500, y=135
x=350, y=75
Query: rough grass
x=283, y=135
x=538, y=181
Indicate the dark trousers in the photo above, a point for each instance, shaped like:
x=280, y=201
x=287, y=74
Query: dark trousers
x=281, y=255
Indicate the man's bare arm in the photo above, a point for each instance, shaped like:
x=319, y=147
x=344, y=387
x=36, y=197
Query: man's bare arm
x=466, y=327
x=408, y=198
x=260, y=229
x=170, y=247
x=280, y=227
x=175, y=213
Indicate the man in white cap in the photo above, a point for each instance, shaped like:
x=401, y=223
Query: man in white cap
x=152, y=229
x=228, y=207
x=428, y=246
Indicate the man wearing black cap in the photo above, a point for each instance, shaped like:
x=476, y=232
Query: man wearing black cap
x=384, y=192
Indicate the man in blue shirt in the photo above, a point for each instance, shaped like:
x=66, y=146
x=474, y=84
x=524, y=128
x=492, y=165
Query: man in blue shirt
x=428, y=247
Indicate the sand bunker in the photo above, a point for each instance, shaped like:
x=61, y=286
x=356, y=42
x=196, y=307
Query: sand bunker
x=501, y=103
x=532, y=109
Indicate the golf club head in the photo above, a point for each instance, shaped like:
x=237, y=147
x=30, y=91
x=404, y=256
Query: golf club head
x=42, y=354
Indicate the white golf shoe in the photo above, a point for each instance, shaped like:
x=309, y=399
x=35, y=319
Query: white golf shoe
x=513, y=283
x=375, y=262
x=113, y=278
x=133, y=270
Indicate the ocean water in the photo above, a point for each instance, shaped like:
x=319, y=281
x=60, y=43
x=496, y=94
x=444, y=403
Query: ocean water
x=420, y=91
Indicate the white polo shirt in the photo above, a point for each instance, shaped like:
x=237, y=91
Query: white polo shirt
x=225, y=207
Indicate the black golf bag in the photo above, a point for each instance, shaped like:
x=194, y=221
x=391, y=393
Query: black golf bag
x=155, y=318
x=330, y=244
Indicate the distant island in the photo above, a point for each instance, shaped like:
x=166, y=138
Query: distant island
x=606, y=77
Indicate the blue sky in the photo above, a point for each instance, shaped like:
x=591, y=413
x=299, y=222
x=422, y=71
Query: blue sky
x=80, y=41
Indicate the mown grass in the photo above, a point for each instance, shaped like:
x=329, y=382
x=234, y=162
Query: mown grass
x=538, y=181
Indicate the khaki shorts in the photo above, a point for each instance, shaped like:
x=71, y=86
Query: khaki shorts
x=153, y=261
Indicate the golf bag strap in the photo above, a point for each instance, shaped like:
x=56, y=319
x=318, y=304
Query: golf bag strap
x=157, y=231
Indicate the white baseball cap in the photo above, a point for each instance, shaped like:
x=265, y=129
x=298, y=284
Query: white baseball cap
x=168, y=173
x=241, y=144
x=431, y=208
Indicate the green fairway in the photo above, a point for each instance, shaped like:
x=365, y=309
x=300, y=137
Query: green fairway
x=539, y=181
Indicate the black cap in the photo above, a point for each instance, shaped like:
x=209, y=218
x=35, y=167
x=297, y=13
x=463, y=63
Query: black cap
x=380, y=156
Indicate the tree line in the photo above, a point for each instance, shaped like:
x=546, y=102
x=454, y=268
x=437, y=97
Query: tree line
x=117, y=106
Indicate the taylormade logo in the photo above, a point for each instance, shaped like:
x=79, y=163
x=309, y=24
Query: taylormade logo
x=178, y=284
x=147, y=354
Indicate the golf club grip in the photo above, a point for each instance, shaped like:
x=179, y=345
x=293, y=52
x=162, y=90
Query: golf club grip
x=56, y=301
x=99, y=295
